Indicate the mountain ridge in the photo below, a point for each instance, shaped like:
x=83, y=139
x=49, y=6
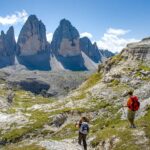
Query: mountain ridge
x=34, y=52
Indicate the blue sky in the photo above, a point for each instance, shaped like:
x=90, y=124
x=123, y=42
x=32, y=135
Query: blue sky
x=112, y=23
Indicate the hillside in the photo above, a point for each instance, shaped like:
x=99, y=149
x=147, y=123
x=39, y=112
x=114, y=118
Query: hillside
x=38, y=123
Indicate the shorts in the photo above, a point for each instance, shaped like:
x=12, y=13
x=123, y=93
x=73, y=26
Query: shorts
x=131, y=114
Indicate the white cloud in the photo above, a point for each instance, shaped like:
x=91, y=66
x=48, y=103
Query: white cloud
x=117, y=32
x=15, y=18
x=49, y=37
x=87, y=34
x=114, y=41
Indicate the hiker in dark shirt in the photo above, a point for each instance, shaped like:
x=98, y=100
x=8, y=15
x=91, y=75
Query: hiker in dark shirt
x=83, y=131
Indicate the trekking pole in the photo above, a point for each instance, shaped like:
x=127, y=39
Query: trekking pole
x=124, y=111
x=125, y=114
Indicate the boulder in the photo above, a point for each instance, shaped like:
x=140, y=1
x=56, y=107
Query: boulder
x=58, y=120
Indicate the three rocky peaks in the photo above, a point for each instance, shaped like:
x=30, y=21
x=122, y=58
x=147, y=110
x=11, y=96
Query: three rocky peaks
x=67, y=51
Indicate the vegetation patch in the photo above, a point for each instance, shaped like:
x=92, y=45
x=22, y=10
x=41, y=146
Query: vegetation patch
x=144, y=67
x=113, y=83
x=26, y=99
x=145, y=122
x=105, y=128
x=116, y=59
x=91, y=81
x=115, y=128
x=80, y=96
x=39, y=118
x=69, y=131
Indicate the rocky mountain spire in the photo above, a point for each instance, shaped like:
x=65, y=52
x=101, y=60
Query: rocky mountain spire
x=32, y=45
x=65, y=46
x=7, y=47
x=32, y=38
x=91, y=50
x=65, y=41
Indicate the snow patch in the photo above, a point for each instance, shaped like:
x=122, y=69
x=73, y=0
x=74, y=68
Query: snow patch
x=55, y=64
x=88, y=62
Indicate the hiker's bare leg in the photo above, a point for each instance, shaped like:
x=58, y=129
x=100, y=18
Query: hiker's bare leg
x=132, y=122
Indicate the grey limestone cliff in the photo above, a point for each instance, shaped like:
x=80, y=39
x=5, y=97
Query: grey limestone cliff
x=32, y=45
x=66, y=46
x=91, y=50
x=7, y=48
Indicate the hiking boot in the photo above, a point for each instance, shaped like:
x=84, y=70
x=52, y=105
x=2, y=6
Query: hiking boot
x=132, y=126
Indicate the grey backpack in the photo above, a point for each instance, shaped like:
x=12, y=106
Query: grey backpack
x=84, y=128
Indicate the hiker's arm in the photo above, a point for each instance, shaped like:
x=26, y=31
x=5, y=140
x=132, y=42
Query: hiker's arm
x=126, y=105
x=78, y=124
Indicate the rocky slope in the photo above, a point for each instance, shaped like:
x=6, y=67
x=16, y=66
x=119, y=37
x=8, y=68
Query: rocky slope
x=48, y=84
x=107, y=53
x=39, y=123
x=7, y=48
x=32, y=45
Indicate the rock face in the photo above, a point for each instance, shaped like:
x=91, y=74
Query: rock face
x=139, y=50
x=58, y=120
x=91, y=50
x=66, y=51
x=66, y=46
x=66, y=40
x=7, y=48
x=33, y=85
x=32, y=46
x=107, y=53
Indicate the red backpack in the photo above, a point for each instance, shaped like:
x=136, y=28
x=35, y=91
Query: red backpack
x=134, y=104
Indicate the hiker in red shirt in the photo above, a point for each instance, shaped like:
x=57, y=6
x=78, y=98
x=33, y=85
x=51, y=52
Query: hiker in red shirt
x=133, y=106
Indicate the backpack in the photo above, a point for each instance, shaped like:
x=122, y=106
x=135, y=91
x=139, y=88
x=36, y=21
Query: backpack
x=84, y=128
x=133, y=103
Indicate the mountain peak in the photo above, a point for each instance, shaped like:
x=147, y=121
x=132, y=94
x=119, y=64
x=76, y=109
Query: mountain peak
x=146, y=39
x=32, y=45
x=64, y=22
x=2, y=33
x=10, y=31
x=32, y=37
x=66, y=39
x=32, y=17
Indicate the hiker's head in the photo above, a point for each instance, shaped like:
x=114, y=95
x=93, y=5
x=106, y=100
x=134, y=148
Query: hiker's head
x=130, y=93
x=85, y=119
